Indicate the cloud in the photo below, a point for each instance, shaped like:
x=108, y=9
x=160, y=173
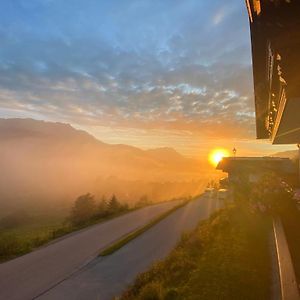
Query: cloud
x=149, y=64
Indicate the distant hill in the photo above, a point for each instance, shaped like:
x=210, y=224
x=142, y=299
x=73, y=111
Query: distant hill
x=28, y=128
x=167, y=155
x=46, y=161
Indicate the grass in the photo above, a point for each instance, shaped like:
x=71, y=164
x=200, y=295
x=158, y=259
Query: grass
x=41, y=230
x=125, y=240
x=24, y=239
x=226, y=257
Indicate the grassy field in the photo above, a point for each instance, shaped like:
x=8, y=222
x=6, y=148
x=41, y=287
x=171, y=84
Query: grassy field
x=38, y=231
x=29, y=232
x=33, y=233
x=226, y=257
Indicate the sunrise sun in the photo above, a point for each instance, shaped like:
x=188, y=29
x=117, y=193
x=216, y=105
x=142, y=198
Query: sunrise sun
x=216, y=155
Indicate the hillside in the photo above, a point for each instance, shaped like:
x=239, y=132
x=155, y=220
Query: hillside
x=49, y=161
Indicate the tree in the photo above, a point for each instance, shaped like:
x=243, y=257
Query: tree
x=102, y=208
x=83, y=210
x=143, y=201
x=113, y=205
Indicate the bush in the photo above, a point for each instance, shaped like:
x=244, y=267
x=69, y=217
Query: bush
x=84, y=209
x=102, y=209
x=143, y=201
x=114, y=205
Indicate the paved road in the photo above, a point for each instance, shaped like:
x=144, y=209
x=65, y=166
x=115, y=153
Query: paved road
x=107, y=277
x=30, y=275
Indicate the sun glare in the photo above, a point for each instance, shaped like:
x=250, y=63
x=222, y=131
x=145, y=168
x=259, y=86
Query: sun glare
x=216, y=156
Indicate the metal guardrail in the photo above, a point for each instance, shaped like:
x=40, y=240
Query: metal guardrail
x=288, y=282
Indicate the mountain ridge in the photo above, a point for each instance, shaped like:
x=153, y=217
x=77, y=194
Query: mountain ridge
x=51, y=160
x=27, y=127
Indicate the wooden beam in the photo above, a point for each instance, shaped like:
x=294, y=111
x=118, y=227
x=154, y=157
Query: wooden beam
x=249, y=10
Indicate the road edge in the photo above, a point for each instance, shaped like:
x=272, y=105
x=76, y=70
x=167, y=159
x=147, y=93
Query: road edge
x=134, y=234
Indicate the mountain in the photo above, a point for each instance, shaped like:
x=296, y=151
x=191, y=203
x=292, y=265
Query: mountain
x=166, y=154
x=29, y=128
x=48, y=162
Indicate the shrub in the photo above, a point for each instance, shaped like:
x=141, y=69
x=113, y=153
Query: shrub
x=83, y=210
x=114, y=205
x=102, y=209
x=143, y=201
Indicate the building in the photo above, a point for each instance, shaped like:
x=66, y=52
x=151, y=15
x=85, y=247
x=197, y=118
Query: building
x=275, y=37
x=252, y=169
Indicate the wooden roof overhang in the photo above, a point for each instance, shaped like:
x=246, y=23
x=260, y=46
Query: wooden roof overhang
x=256, y=165
x=275, y=38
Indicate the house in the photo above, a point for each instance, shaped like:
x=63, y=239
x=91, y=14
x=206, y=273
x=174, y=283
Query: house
x=252, y=169
x=275, y=37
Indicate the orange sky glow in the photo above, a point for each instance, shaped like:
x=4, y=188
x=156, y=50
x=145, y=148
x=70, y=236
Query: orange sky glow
x=180, y=77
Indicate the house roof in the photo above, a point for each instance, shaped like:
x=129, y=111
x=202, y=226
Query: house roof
x=275, y=39
x=256, y=164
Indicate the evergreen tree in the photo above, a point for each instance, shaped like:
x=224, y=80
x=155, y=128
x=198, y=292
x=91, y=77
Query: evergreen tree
x=102, y=207
x=113, y=205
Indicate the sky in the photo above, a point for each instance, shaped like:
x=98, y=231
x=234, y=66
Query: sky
x=148, y=73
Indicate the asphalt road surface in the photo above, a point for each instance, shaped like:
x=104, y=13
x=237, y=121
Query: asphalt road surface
x=107, y=277
x=33, y=274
